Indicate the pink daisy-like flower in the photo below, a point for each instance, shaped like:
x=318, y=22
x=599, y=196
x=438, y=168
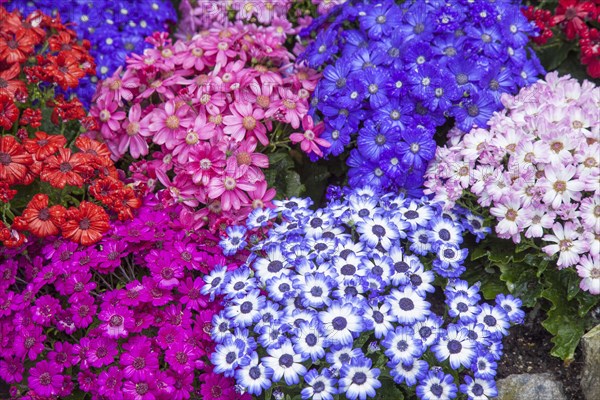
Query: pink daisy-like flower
x=568, y=243
x=29, y=343
x=559, y=185
x=245, y=120
x=45, y=378
x=169, y=334
x=106, y=112
x=62, y=354
x=168, y=124
x=115, y=319
x=290, y=108
x=83, y=312
x=134, y=139
x=589, y=270
x=310, y=142
x=510, y=216
x=121, y=87
x=261, y=196
x=201, y=129
x=166, y=273
x=230, y=188
x=219, y=49
x=205, y=162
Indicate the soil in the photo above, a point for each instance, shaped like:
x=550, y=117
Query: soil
x=527, y=350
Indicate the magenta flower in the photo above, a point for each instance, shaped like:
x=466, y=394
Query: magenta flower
x=205, y=162
x=110, y=382
x=102, y=352
x=29, y=343
x=115, y=320
x=181, y=357
x=139, y=360
x=191, y=295
x=11, y=369
x=45, y=378
x=83, y=312
x=62, y=354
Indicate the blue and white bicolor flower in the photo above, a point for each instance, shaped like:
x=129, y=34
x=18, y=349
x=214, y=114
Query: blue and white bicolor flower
x=234, y=241
x=321, y=386
x=285, y=363
x=359, y=380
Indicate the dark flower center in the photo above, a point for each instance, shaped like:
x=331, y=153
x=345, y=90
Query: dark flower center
x=339, y=323
x=402, y=345
x=5, y=158
x=181, y=357
x=401, y=267
x=348, y=269
x=286, y=360
x=359, y=378
x=115, y=321
x=141, y=388
x=275, y=266
x=454, y=347
x=139, y=363
x=316, y=291
x=377, y=317
x=84, y=224
x=318, y=387
x=230, y=357
x=254, y=373
x=437, y=389
x=449, y=253
x=406, y=304
x=246, y=307
x=477, y=389
x=45, y=379
x=65, y=167
x=473, y=110
x=444, y=234
x=489, y=320
x=378, y=230
x=311, y=339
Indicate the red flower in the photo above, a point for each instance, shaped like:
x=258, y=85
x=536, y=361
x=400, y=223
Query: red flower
x=15, y=48
x=574, y=12
x=29, y=26
x=6, y=193
x=42, y=220
x=9, y=85
x=86, y=224
x=65, y=69
x=65, y=168
x=8, y=111
x=44, y=145
x=13, y=160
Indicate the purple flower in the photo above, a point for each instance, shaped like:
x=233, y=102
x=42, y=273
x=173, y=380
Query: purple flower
x=45, y=378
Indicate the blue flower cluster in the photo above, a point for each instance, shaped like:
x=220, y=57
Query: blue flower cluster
x=115, y=28
x=392, y=74
x=331, y=298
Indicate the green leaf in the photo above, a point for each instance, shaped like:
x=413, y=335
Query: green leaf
x=294, y=186
x=389, y=391
x=478, y=252
x=554, y=53
x=586, y=302
x=268, y=393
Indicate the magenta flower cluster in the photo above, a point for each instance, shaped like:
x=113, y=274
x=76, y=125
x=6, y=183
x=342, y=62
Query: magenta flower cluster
x=124, y=319
x=199, y=112
x=537, y=168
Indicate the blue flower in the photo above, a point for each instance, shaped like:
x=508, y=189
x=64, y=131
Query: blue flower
x=228, y=356
x=254, y=377
x=409, y=373
x=245, y=310
x=455, y=346
x=215, y=282
x=512, y=306
x=341, y=323
x=380, y=19
x=285, y=363
x=416, y=148
x=309, y=340
x=234, y=241
x=359, y=380
x=475, y=110
x=322, y=49
x=437, y=386
x=408, y=305
x=479, y=389
x=402, y=346
x=374, y=139
x=449, y=261
x=320, y=386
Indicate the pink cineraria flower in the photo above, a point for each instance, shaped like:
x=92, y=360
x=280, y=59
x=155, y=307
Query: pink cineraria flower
x=510, y=216
x=121, y=87
x=166, y=125
x=106, y=112
x=136, y=130
x=181, y=357
x=200, y=130
x=205, y=162
x=567, y=243
x=230, y=188
x=560, y=185
x=589, y=270
x=261, y=197
x=288, y=108
x=102, y=352
x=310, y=142
x=245, y=120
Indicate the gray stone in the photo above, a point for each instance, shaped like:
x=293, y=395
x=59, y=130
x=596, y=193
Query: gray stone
x=590, y=374
x=530, y=387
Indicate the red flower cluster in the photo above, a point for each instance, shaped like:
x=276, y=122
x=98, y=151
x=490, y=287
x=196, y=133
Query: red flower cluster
x=36, y=53
x=574, y=18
